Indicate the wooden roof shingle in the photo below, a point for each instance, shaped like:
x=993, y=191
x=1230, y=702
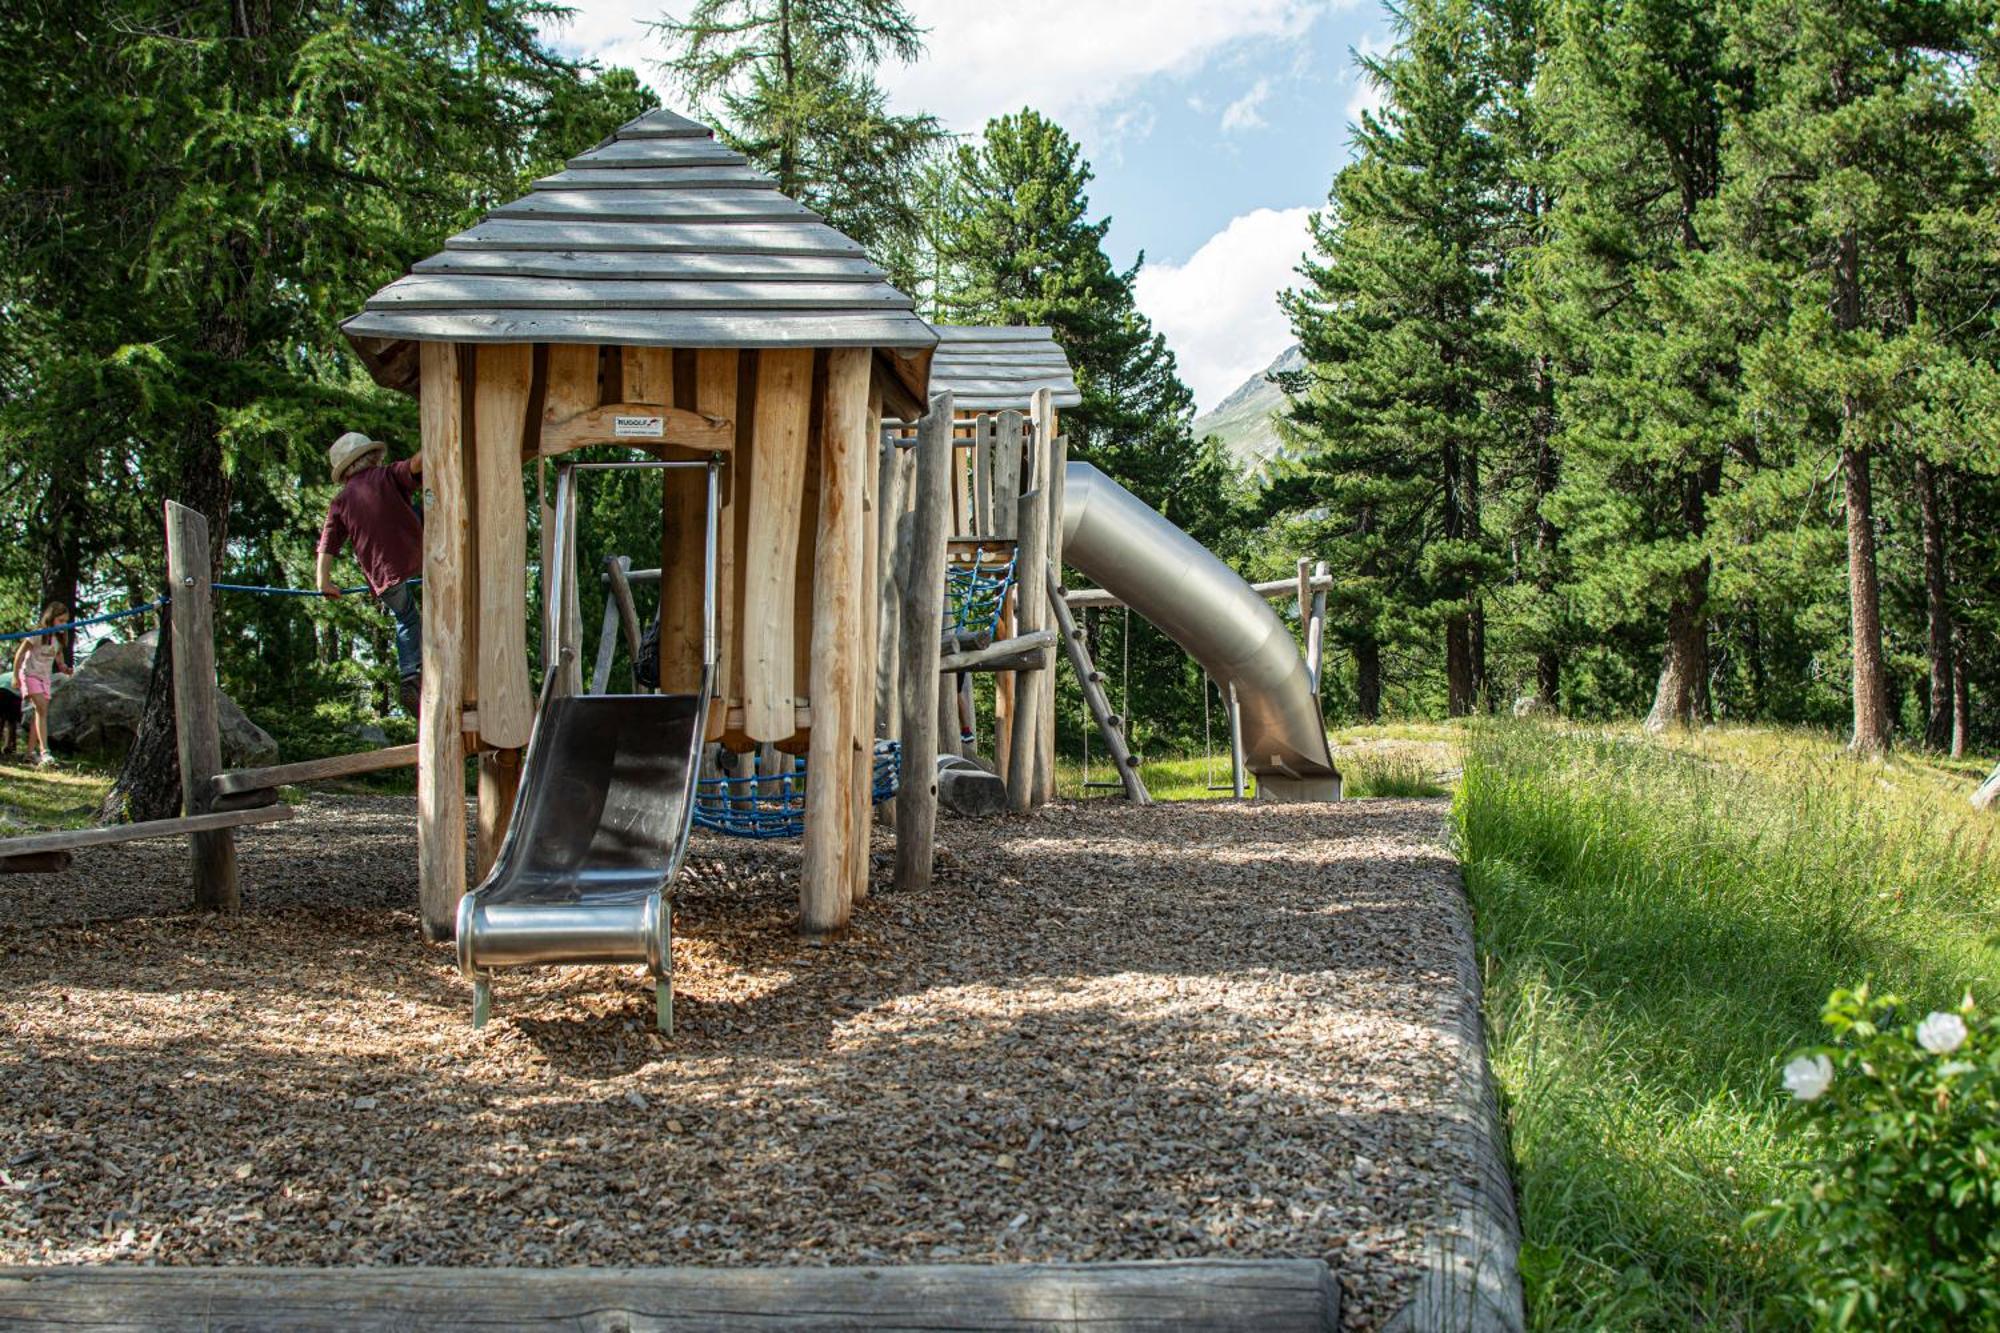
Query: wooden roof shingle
x=659, y=236
x=994, y=367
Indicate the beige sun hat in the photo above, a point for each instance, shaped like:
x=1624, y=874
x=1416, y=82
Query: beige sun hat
x=349, y=450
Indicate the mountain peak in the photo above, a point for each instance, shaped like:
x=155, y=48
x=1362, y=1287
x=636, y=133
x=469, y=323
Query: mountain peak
x=1244, y=421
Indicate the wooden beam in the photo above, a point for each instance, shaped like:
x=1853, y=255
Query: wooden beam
x=826, y=893
x=923, y=612
x=1270, y=590
x=628, y=611
x=505, y=374
x=1200, y=1296
x=771, y=539
x=109, y=835
x=668, y=432
x=499, y=780
x=235, y=781
x=447, y=552
x=1024, y=652
x=1031, y=594
x=572, y=381
x=197, y=709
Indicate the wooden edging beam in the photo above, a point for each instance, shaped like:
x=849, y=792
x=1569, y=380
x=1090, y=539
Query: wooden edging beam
x=1206, y=1296
x=109, y=835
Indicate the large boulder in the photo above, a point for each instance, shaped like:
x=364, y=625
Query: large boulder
x=96, y=711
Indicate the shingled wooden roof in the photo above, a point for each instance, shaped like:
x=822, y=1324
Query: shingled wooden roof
x=659, y=236
x=989, y=368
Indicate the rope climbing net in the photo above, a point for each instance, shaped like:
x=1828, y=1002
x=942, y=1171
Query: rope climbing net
x=975, y=593
x=773, y=805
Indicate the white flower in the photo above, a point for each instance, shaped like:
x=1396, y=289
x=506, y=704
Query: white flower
x=1807, y=1077
x=1941, y=1033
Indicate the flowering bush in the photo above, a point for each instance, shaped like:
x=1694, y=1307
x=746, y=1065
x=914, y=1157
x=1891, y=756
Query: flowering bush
x=1899, y=1224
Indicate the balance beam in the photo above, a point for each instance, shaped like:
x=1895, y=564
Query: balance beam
x=32, y=852
x=1275, y=1295
x=236, y=781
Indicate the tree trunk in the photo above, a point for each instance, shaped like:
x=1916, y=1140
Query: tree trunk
x=1961, y=697
x=1458, y=670
x=149, y=782
x=1681, y=698
x=1937, y=720
x=1368, y=678
x=1871, y=693
x=1548, y=657
x=61, y=520
x=1482, y=685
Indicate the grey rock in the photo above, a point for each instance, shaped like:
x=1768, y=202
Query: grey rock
x=96, y=711
x=1531, y=705
x=370, y=736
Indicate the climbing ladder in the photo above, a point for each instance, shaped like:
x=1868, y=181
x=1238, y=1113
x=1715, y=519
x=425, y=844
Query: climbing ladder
x=1109, y=724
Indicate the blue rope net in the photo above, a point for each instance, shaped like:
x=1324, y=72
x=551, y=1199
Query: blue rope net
x=774, y=806
x=975, y=593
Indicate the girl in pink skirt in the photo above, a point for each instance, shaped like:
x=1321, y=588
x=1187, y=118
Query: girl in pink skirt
x=36, y=662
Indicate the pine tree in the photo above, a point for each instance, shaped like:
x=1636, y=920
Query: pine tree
x=1402, y=340
x=1856, y=142
x=795, y=82
x=1016, y=245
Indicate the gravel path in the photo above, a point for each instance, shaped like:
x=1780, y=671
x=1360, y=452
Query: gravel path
x=1197, y=1029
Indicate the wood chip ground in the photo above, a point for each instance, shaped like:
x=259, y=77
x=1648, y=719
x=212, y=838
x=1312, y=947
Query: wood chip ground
x=1201, y=1029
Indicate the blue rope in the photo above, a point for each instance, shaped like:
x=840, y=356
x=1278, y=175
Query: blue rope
x=975, y=596
x=774, y=805
x=268, y=590
x=106, y=618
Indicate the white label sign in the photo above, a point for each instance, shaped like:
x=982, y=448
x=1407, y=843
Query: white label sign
x=651, y=428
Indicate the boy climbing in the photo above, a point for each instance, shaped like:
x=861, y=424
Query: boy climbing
x=373, y=511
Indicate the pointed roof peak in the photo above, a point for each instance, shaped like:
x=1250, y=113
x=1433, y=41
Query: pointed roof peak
x=660, y=236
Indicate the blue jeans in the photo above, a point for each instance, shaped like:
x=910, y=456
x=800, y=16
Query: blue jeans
x=401, y=603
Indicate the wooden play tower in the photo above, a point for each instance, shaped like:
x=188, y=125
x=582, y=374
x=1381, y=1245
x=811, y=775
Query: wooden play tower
x=658, y=295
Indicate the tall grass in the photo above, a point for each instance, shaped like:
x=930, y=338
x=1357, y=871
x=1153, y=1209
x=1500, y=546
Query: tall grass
x=1658, y=925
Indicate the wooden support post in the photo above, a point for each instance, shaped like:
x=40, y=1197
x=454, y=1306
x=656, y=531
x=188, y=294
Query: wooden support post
x=982, y=474
x=447, y=552
x=826, y=893
x=1094, y=697
x=501, y=385
x=1032, y=590
x=197, y=711
x=718, y=375
x=1316, y=627
x=607, y=639
x=865, y=720
x=1236, y=774
x=1047, y=483
x=777, y=467
x=923, y=612
x=889, y=509
x=499, y=780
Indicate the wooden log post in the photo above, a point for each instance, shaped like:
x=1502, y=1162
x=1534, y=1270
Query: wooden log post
x=889, y=508
x=777, y=468
x=197, y=709
x=1048, y=482
x=717, y=376
x=863, y=684
x=1032, y=591
x=501, y=393
x=1316, y=627
x=447, y=552
x=923, y=611
x=826, y=892
x=1236, y=766
x=499, y=783
x=618, y=571
x=1007, y=442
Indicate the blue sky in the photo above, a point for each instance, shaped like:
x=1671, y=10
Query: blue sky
x=1214, y=127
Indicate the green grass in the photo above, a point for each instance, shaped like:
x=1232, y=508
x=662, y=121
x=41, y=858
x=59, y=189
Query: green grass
x=1398, y=759
x=65, y=796
x=1660, y=923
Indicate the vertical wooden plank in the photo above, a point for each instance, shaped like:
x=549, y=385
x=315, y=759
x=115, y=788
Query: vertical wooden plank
x=197, y=712
x=1007, y=488
x=982, y=473
x=1028, y=586
x=804, y=575
x=889, y=508
x=447, y=551
x=683, y=559
x=500, y=418
x=961, y=487
x=715, y=393
x=923, y=612
x=838, y=595
x=1007, y=483
x=648, y=375
x=572, y=380
x=499, y=780
x=770, y=540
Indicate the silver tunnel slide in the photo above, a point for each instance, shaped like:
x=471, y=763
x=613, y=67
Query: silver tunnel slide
x=601, y=822
x=1132, y=551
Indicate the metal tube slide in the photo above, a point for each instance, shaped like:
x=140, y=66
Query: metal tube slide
x=1168, y=577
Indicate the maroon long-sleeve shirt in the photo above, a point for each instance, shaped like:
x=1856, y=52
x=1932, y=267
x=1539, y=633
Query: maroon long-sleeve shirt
x=373, y=511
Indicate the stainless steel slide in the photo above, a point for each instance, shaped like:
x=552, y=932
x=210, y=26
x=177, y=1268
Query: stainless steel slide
x=601, y=822
x=1130, y=550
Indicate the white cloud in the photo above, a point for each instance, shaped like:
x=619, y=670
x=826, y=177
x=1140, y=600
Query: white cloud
x=614, y=32
x=1242, y=114
x=1219, y=310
